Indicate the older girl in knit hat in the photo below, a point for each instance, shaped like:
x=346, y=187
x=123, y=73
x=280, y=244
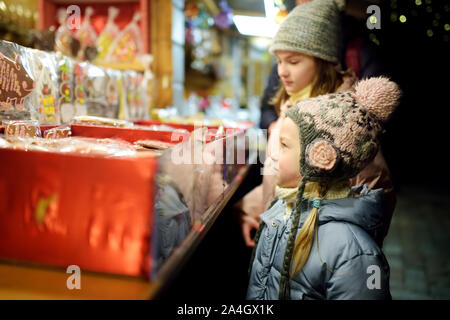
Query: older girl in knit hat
x=323, y=243
x=306, y=47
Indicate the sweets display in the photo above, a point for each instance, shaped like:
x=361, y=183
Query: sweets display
x=79, y=145
x=102, y=121
x=22, y=128
x=57, y=132
x=54, y=88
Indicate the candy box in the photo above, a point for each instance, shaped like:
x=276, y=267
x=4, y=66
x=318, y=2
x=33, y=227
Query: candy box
x=95, y=212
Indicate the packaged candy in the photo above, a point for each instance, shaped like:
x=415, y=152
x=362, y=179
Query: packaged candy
x=79, y=91
x=22, y=128
x=113, y=79
x=43, y=66
x=127, y=47
x=63, y=36
x=87, y=36
x=58, y=132
x=65, y=79
x=16, y=83
x=146, y=86
x=107, y=36
x=95, y=87
x=131, y=89
x=102, y=121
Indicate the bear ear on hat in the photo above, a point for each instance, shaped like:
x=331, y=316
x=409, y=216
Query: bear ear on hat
x=378, y=95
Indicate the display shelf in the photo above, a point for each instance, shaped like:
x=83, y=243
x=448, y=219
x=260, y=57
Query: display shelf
x=47, y=10
x=25, y=281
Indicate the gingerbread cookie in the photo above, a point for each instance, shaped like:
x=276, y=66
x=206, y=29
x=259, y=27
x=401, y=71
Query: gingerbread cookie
x=58, y=132
x=15, y=83
x=22, y=128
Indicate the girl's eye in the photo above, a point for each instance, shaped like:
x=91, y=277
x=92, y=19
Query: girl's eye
x=293, y=62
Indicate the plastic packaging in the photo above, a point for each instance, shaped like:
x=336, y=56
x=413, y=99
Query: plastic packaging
x=112, y=92
x=127, y=47
x=22, y=128
x=78, y=145
x=102, y=121
x=79, y=91
x=65, y=82
x=131, y=89
x=107, y=36
x=63, y=36
x=86, y=34
x=147, y=87
x=46, y=93
x=95, y=86
x=58, y=132
x=16, y=83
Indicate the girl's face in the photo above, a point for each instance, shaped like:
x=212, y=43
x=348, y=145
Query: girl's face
x=295, y=69
x=289, y=157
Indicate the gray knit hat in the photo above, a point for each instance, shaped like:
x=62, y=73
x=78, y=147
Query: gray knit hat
x=312, y=28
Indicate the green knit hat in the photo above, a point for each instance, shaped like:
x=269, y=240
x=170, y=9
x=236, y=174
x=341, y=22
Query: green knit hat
x=312, y=28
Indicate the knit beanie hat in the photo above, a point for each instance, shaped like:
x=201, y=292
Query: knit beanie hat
x=338, y=138
x=311, y=28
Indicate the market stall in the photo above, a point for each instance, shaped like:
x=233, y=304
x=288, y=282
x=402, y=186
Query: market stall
x=88, y=180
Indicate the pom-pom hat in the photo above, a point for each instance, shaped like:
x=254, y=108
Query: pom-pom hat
x=339, y=132
x=338, y=138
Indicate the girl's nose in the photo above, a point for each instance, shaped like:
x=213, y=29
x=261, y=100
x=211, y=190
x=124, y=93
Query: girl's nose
x=282, y=71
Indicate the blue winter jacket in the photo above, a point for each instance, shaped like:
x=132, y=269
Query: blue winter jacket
x=345, y=263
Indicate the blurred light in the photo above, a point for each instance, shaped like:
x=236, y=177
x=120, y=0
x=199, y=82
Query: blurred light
x=414, y=13
x=429, y=9
x=429, y=32
x=255, y=26
x=393, y=16
x=447, y=27
x=374, y=39
x=2, y=6
x=435, y=23
x=271, y=10
x=393, y=5
x=260, y=43
x=418, y=2
x=373, y=19
x=259, y=26
x=446, y=38
x=428, y=1
x=402, y=19
x=437, y=16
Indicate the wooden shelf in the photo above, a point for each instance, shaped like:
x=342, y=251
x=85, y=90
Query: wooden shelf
x=26, y=282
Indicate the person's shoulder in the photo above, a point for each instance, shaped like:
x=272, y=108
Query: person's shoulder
x=340, y=241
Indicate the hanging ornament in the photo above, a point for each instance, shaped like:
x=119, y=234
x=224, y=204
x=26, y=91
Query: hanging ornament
x=225, y=18
x=191, y=10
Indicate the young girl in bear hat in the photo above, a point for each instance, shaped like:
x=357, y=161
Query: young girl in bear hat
x=306, y=47
x=323, y=245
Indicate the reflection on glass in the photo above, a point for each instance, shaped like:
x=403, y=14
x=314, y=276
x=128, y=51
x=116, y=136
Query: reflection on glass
x=193, y=178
